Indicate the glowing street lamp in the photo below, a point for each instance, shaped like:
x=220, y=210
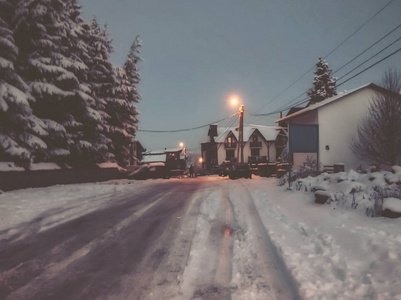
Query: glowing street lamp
x=200, y=160
x=234, y=102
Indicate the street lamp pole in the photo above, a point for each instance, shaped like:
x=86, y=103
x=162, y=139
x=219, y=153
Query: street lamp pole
x=241, y=132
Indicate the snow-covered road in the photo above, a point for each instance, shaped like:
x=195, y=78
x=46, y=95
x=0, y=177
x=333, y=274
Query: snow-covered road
x=202, y=238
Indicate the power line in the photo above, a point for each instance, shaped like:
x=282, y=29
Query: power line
x=364, y=51
x=283, y=108
x=287, y=106
x=371, y=66
x=385, y=48
x=359, y=28
x=331, y=52
x=219, y=144
x=186, y=129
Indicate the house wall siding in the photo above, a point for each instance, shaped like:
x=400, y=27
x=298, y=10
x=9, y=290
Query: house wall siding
x=338, y=124
x=309, y=118
x=221, y=151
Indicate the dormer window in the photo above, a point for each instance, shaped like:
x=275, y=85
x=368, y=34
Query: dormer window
x=230, y=142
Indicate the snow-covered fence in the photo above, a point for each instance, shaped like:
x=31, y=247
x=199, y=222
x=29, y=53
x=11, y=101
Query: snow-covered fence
x=13, y=178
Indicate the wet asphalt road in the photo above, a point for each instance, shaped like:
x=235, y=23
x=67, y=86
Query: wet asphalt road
x=29, y=267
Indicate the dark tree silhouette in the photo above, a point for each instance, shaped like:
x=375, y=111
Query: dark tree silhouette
x=379, y=133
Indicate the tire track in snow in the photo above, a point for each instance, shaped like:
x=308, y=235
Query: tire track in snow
x=208, y=271
x=168, y=276
x=259, y=271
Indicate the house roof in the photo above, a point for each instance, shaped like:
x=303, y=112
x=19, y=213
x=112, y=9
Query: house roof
x=159, y=155
x=268, y=132
x=329, y=100
x=154, y=158
x=156, y=152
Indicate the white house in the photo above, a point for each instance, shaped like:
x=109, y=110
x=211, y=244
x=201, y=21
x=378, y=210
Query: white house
x=324, y=131
x=259, y=144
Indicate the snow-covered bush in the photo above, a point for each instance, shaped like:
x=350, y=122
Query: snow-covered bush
x=308, y=168
x=354, y=190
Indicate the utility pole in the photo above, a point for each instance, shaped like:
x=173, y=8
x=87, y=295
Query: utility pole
x=241, y=132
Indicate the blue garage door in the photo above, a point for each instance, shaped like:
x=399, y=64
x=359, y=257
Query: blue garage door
x=303, y=138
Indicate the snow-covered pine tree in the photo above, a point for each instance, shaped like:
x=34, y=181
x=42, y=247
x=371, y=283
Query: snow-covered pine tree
x=48, y=35
x=324, y=85
x=38, y=31
x=90, y=142
x=121, y=108
x=20, y=130
x=100, y=80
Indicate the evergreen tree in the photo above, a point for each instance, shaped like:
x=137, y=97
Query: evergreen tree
x=379, y=133
x=324, y=85
x=121, y=108
x=48, y=34
x=20, y=130
x=100, y=80
x=90, y=142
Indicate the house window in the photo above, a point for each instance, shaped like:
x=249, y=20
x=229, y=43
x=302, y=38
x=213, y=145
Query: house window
x=229, y=154
x=255, y=152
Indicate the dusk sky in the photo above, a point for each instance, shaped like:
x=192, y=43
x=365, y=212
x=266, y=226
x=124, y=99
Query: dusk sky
x=197, y=53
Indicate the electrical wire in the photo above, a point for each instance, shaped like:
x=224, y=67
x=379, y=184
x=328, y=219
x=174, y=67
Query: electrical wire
x=361, y=64
x=364, y=51
x=371, y=66
x=288, y=105
x=283, y=108
x=219, y=144
x=185, y=129
x=331, y=52
x=359, y=28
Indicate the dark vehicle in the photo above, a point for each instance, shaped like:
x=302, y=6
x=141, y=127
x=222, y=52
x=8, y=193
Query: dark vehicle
x=240, y=170
x=152, y=170
x=225, y=168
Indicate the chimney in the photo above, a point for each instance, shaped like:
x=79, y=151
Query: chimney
x=212, y=132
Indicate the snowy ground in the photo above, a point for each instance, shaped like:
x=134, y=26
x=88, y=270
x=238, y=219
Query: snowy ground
x=327, y=251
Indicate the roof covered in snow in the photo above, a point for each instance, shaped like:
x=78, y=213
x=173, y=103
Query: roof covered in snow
x=154, y=158
x=330, y=100
x=156, y=152
x=269, y=133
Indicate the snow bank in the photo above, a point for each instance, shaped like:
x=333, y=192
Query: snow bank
x=6, y=166
x=44, y=166
x=333, y=253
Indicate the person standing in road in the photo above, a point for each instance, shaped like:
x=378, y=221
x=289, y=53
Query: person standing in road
x=191, y=171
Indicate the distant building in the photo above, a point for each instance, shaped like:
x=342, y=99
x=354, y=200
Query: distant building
x=174, y=159
x=223, y=145
x=324, y=131
x=136, y=153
